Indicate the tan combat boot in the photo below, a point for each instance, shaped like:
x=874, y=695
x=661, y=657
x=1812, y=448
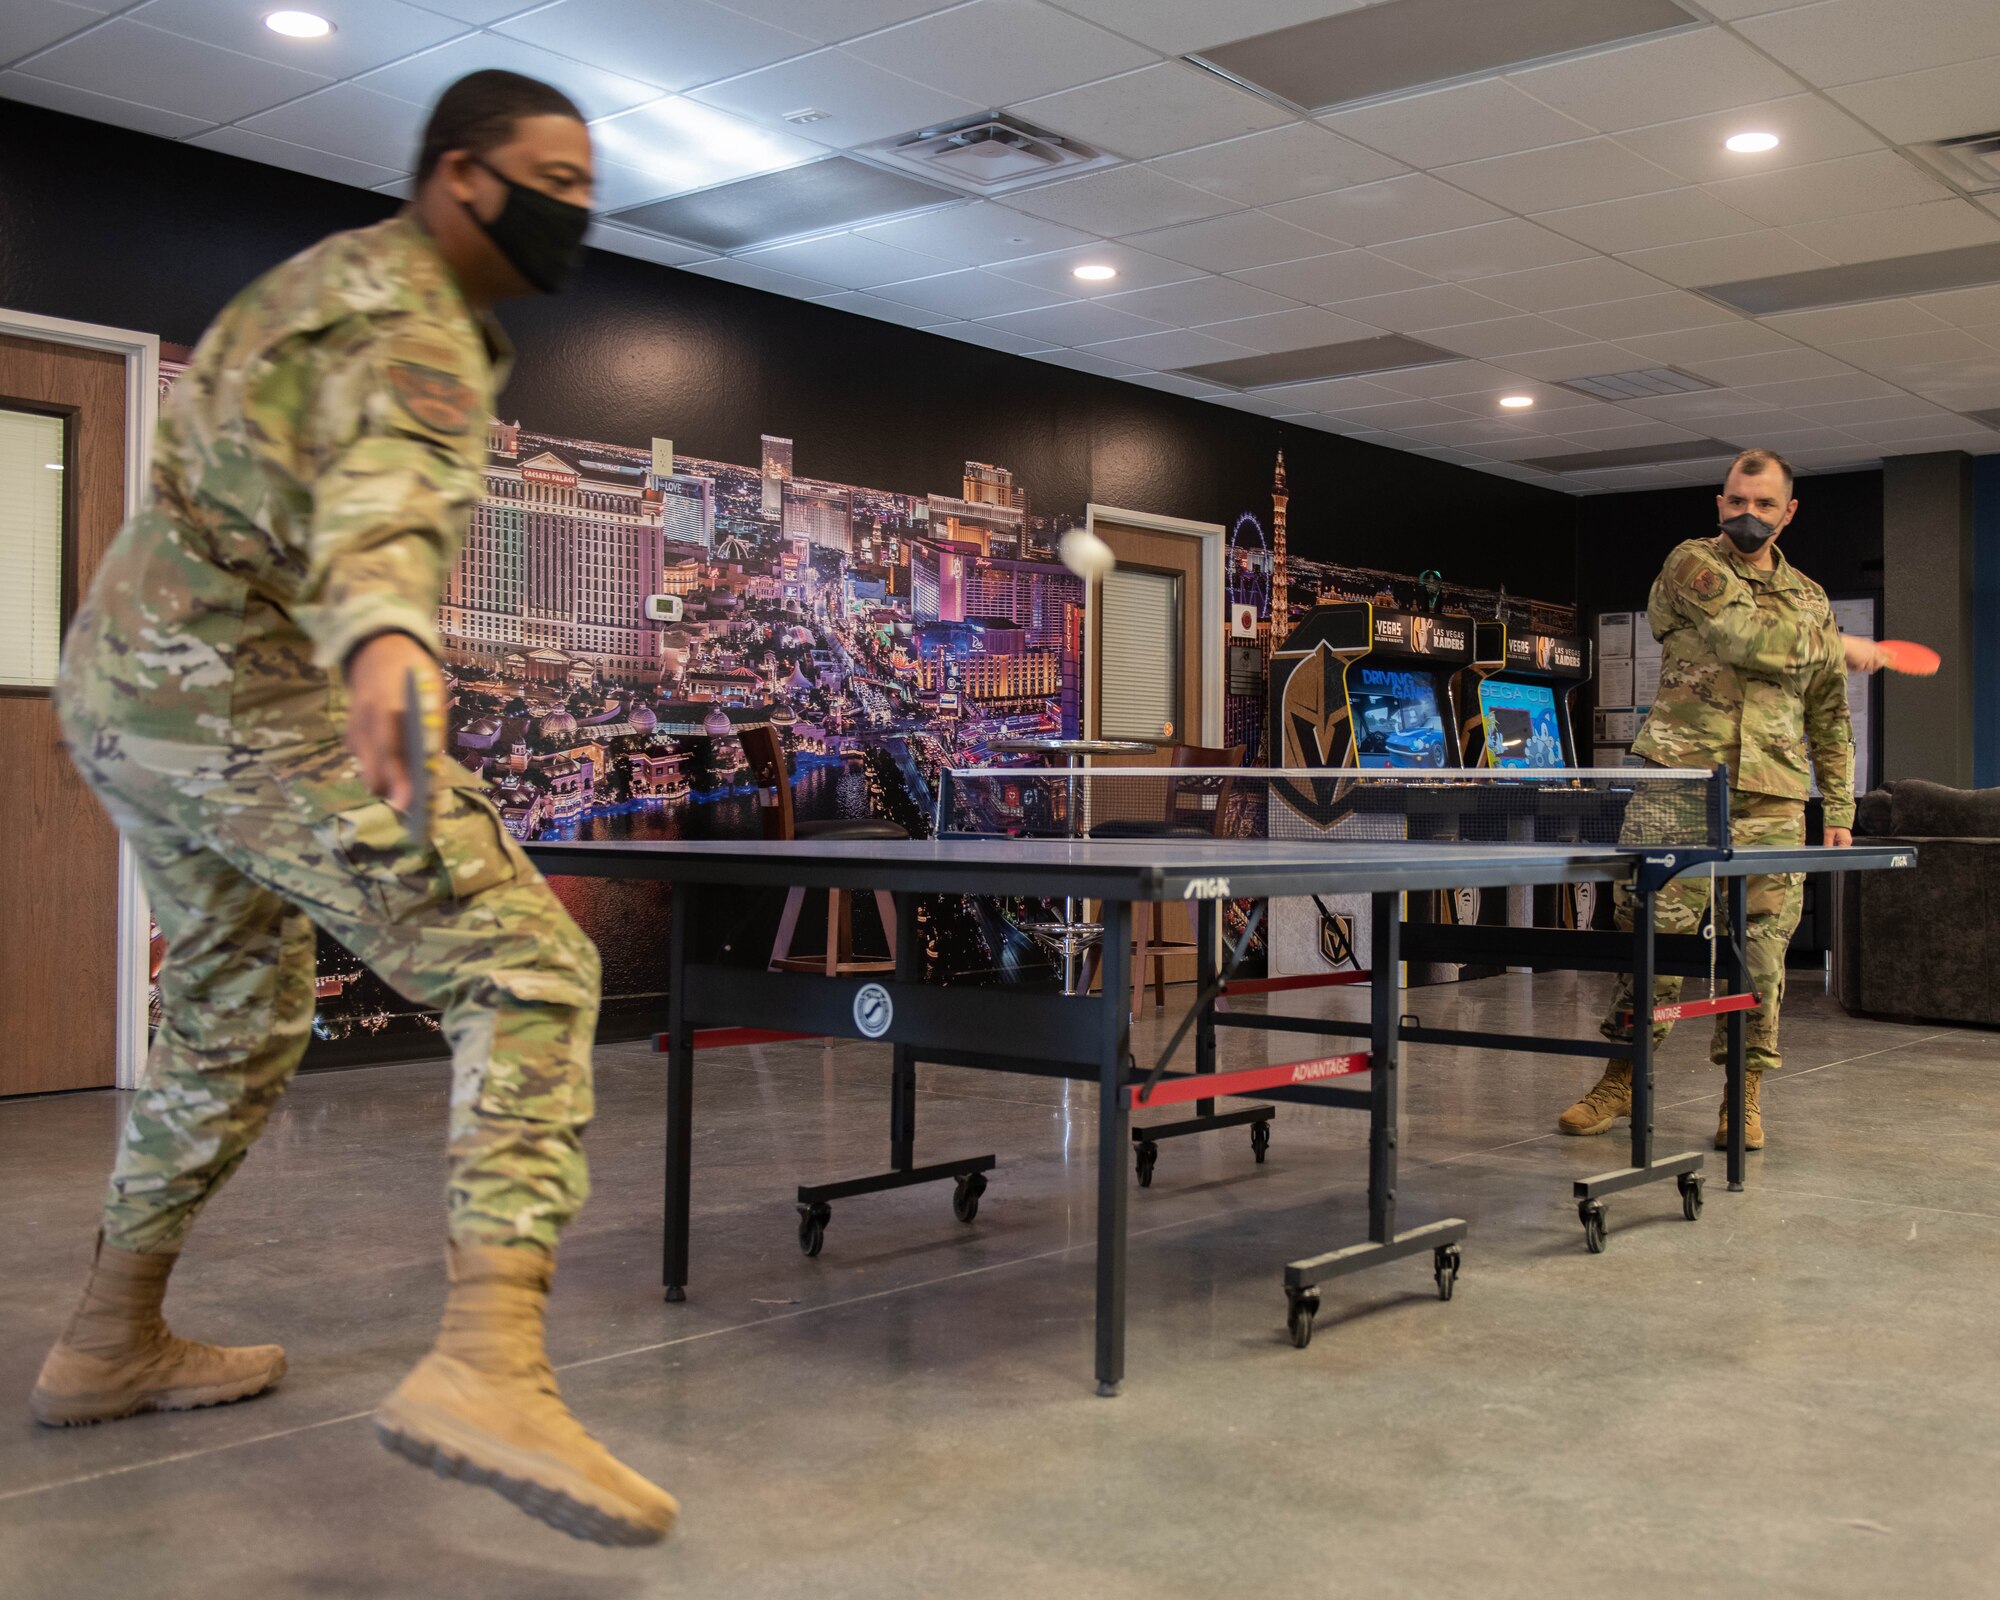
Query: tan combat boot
x=117, y=1358
x=483, y=1407
x=1604, y=1105
x=1753, y=1115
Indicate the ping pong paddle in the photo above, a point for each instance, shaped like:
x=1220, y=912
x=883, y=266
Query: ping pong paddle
x=1916, y=660
x=418, y=716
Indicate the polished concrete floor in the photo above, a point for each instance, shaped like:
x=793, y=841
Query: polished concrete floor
x=1797, y=1396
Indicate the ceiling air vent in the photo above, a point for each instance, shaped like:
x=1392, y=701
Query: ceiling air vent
x=1648, y=384
x=989, y=154
x=1972, y=162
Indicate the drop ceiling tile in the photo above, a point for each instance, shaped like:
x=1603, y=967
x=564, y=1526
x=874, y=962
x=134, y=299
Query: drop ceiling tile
x=1880, y=180
x=1335, y=394
x=1079, y=322
x=1715, y=342
x=1986, y=333
x=1771, y=366
x=1341, y=275
x=1932, y=433
x=1700, y=410
x=1680, y=75
x=130, y=61
x=1594, y=419
x=1174, y=383
x=675, y=44
x=1485, y=251
x=1400, y=208
x=1154, y=112
x=753, y=276
x=1136, y=269
x=366, y=33
x=1178, y=348
x=1877, y=319
x=1916, y=356
x=868, y=305
x=1847, y=41
x=644, y=246
x=420, y=79
x=1174, y=27
x=619, y=186
x=1435, y=305
x=845, y=259
x=1404, y=414
x=1763, y=254
x=1200, y=301
x=1085, y=361
x=1891, y=408
x=1962, y=308
x=1302, y=328
x=1284, y=163
x=294, y=157
x=1563, y=175
x=1233, y=242
x=405, y=188
x=1577, y=361
x=1968, y=397
x=1908, y=230
x=861, y=102
x=1820, y=391
x=1448, y=380
x=1809, y=129
x=1647, y=222
x=349, y=121
x=1504, y=336
x=1631, y=435
x=976, y=235
x=1000, y=51
x=1120, y=200
x=970, y=294
x=1263, y=405
x=1588, y=282
x=97, y=107
x=30, y=25
x=992, y=338
x=1653, y=313
x=477, y=11
x=1461, y=123
x=828, y=21
x=1501, y=469
x=1939, y=104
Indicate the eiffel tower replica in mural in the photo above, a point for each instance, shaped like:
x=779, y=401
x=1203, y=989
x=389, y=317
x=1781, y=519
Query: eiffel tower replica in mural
x=1273, y=629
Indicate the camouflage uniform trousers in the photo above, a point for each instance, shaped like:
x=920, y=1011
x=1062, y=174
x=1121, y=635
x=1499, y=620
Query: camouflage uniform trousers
x=242, y=850
x=1773, y=902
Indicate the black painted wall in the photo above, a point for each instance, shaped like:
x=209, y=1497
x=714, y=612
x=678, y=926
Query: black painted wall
x=108, y=226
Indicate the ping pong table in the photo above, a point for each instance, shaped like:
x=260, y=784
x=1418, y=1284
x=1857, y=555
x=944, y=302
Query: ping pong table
x=1087, y=1037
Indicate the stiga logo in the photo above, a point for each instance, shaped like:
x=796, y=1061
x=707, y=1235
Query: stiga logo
x=1206, y=889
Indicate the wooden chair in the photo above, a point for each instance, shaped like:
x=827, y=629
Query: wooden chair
x=772, y=774
x=1195, y=808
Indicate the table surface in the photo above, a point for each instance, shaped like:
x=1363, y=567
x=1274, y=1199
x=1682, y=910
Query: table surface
x=1155, y=869
x=1069, y=747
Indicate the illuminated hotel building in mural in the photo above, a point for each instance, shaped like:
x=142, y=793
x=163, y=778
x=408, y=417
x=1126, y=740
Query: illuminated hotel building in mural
x=820, y=514
x=687, y=508
x=777, y=472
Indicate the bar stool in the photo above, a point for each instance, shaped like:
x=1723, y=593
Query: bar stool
x=772, y=774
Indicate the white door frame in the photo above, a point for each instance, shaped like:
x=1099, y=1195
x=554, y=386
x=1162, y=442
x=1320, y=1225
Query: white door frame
x=1209, y=722
x=142, y=404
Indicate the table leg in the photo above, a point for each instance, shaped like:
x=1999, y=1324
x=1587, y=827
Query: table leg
x=1739, y=983
x=1385, y=1011
x=1113, y=1133
x=680, y=1099
x=903, y=1073
x=1642, y=1027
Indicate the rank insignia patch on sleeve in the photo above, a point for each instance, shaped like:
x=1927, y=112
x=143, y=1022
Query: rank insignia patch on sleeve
x=437, y=400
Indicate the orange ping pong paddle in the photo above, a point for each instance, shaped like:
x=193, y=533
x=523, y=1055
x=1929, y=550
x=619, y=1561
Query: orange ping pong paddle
x=1900, y=655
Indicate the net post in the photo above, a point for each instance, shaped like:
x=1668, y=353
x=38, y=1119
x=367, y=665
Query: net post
x=1718, y=806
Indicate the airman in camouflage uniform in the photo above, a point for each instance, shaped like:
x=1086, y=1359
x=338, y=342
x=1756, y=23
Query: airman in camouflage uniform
x=231, y=691
x=1752, y=675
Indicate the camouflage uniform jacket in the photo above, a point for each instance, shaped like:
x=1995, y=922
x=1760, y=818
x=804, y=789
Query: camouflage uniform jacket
x=1752, y=674
x=312, y=478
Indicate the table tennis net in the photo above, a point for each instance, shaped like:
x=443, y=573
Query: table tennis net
x=1636, y=807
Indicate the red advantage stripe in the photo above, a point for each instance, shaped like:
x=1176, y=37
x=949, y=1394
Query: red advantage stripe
x=1249, y=1080
x=722, y=1038
x=1305, y=980
x=1702, y=1008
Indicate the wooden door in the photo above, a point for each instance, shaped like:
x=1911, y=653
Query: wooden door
x=58, y=851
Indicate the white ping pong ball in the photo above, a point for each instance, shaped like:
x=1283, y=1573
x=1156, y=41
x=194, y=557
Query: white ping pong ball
x=1088, y=556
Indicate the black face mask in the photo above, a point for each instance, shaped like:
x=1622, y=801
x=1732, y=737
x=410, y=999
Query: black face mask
x=541, y=236
x=1749, y=534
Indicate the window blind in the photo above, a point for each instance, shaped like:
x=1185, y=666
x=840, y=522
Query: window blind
x=31, y=548
x=1139, y=686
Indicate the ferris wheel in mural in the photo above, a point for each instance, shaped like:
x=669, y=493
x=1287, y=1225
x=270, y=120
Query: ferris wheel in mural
x=1250, y=565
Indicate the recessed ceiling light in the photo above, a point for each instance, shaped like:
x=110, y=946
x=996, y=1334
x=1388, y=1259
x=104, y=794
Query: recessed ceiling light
x=298, y=24
x=1517, y=402
x=1094, y=273
x=1751, y=144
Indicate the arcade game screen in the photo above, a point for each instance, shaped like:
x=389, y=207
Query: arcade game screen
x=1522, y=729
x=1396, y=718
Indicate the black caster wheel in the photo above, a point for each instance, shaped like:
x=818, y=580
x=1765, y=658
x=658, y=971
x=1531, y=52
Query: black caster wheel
x=1445, y=1262
x=1146, y=1158
x=965, y=1197
x=1592, y=1213
x=812, y=1226
x=1691, y=1196
x=1301, y=1307
x=1260, y=1140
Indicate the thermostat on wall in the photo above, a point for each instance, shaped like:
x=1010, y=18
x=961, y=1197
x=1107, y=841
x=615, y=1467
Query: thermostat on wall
x=663, y=608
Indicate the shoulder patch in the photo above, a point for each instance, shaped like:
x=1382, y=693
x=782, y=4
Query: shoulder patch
x=434, y=398
x=1691, y=572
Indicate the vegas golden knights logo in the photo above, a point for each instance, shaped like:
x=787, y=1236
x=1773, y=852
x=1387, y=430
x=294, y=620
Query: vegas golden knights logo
x=1420, y=635
x=1336, y=939
x=1545, y=652
x=1313, y=713
x=1460, y=907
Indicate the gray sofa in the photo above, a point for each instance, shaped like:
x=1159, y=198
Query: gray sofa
x=1923, y=945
